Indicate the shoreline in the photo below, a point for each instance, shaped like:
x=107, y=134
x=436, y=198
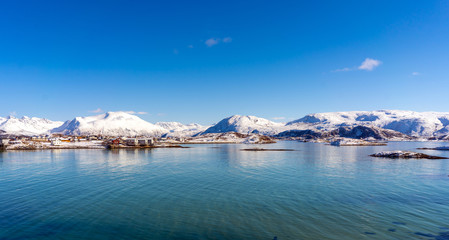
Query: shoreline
x=102, y=146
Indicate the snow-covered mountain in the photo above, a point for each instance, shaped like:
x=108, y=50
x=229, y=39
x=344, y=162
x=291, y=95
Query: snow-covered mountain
x=27, y=126
x=176, y=129
x=382, y=124
x=418, y=124
x=245, y=124
x=356, y=132
x=110, y=124
x=231, y=137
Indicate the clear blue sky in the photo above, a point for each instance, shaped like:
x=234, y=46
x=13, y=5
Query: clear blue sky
x=201, y=61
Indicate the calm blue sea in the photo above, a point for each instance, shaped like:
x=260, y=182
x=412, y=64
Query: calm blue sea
x=219, y=192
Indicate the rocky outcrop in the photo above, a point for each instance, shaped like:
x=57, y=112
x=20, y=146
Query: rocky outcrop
x=446, y=148
x=355, y=132
x=365, y=132
x=405, y=155
x=302, y=134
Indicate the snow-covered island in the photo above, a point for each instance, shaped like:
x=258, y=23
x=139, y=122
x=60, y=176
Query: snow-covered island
x=405, y=155
x=338, y=128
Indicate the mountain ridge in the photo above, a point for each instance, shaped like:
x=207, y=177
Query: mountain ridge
x=414, y=124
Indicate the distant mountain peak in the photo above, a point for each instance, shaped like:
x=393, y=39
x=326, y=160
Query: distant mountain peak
x=244, y=124
x=27, y=125
x=110, y=124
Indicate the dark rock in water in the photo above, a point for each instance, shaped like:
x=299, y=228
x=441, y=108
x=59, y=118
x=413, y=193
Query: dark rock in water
x=436, y=148
x=392, y=230
x=405, y=155
x=370, y=233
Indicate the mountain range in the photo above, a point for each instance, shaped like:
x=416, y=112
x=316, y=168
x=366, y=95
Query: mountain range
x=382, y=124
x=27, y=126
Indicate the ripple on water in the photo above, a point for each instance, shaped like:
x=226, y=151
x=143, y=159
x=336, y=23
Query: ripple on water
x=318, y=192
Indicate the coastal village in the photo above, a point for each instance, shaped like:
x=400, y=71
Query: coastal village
x=58, y=141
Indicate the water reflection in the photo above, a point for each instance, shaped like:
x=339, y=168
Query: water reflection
x=220, y=192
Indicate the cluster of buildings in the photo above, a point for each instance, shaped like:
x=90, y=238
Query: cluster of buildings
x=11, y=140
x=63, y=140
x=132, y=142
x=88, y=141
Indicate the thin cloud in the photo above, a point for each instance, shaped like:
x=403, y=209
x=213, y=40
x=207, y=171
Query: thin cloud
x=135, y=113
x=212, y=41
x=175, y=51
x=343, y=70
x=160, y=114
x=98, y=110
x=416, y=73
x=369, y=64
x=190, y=46
x=227, y=40
x=278, y=118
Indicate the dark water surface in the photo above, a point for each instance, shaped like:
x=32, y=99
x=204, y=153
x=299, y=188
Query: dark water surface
x=220, y=192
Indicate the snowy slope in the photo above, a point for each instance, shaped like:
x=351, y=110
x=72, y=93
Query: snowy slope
x=110, y=124
x=417, y=124
x=27, y=126
x=176, y=129
x=231, y=137
x=245, y=124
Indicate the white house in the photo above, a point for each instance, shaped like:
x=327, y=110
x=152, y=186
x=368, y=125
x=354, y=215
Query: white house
x=4, y=141
x=56, y=142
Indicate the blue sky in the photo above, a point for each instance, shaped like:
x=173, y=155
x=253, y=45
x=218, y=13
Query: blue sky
x=201, y=61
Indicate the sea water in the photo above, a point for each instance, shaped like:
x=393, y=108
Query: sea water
x=220, y=192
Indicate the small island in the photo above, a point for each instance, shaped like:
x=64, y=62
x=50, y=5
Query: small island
x=266, y=150
x=445, y=148
x=405, y=155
